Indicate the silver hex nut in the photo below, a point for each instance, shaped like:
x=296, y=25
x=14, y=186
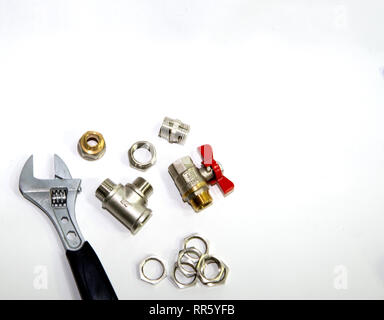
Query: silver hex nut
x=220, y=278
x=180, y=284
x=220, y=281
x=145, y=278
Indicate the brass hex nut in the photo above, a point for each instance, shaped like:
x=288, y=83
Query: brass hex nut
x=91, y=145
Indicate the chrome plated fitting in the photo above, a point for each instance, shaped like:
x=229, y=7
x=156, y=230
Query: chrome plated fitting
x=142, y=145
x=127, y=203
x=191, y=184
x=174, y=130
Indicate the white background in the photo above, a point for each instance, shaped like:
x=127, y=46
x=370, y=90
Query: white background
x=290, y=96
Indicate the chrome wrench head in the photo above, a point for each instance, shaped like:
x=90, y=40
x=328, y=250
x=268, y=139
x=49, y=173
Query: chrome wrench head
x=57, y=198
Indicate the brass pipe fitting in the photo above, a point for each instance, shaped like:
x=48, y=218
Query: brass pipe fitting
x=91, y=145
x=191, y=184
x=127, y=203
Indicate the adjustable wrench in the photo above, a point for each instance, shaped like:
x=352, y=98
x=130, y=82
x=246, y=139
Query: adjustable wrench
x=57, y=198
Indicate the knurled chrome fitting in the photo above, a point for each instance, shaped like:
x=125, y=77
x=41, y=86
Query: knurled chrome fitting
x=127, y=203
x=174, y=130
x=191, y=184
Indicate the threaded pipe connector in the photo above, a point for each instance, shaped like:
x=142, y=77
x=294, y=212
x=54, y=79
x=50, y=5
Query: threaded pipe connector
x=143, y=186
x=105, y=189
x=126, y=203
x=174, y=130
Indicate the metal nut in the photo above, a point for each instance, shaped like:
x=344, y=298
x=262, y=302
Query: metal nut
x=203, y=262
x=89, y=151
x=198, y=237
x=184, y=253
x=180, y=284
x=220, y=281
x=137, y=164
x=145, y=278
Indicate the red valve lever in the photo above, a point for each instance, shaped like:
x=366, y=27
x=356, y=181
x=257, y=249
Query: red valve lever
x=225, y=184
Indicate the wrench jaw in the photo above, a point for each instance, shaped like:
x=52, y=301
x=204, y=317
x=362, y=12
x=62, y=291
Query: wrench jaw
x=61, y=169
x=56, y=198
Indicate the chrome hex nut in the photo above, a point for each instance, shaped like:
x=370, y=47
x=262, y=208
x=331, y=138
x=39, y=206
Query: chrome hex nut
x=145, y=278
x=220, y=281
x=203, y=262
x=179, y=284
x=137, y=164
x=196, y=236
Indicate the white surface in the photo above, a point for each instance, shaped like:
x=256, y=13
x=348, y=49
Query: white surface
x=289, y=95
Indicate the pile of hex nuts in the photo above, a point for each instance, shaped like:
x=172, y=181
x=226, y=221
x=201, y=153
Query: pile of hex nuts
x=192, y=264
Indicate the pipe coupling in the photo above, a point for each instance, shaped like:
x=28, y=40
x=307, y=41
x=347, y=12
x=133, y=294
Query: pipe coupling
x=127, y=203
x=174, y=130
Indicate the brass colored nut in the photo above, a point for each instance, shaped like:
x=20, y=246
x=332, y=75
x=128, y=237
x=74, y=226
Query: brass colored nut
x=89, y=151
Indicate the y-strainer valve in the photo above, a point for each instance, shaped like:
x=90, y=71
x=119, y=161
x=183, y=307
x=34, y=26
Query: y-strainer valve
x=192, y=182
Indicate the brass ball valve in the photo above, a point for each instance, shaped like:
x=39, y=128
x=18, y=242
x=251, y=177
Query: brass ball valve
x=192, y=182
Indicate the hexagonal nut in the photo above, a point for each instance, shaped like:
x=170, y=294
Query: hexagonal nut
x=220, y=278
x=89, y=151
x=179, y=284
x=221, y=281
x=191, y=262
x=144, y=277
x=134, y=163
x=198, y=237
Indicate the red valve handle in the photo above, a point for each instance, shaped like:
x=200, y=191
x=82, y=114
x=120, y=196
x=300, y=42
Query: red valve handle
x=225, y=184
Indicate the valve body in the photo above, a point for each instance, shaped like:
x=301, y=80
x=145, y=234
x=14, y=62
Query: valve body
x=190, y=182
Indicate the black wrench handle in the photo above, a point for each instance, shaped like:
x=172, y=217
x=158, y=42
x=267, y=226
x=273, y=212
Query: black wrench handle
x=90, y=277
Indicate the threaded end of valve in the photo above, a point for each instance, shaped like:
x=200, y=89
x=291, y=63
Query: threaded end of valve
x=143, y=186
x=201, y=201
x=105, y=189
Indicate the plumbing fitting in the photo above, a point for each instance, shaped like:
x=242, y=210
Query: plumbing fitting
x=137, y=164
x=145, y=277
x=127, y=203
x=195, y=269
x=192, y=182
x=91, y=145
x=174, y=130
